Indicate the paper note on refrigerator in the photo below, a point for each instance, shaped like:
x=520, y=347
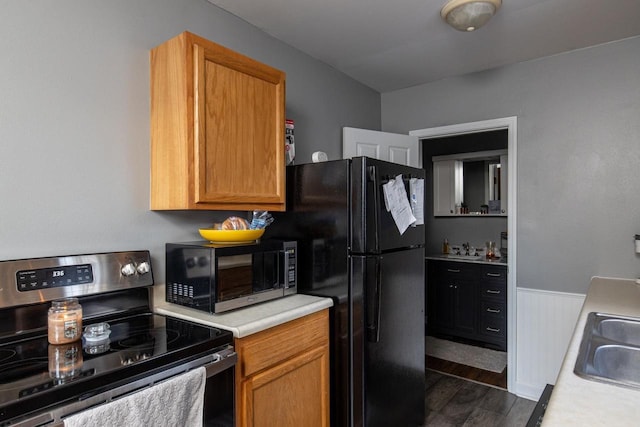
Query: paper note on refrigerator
x=397, y=203
x=416, y=188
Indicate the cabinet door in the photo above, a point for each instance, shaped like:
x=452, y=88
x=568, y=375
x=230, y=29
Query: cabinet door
x=217, y=128
x=442, y=317
x=293, y=393
x=465, y=309
x=239, y=129
x=504, y=184
x=282, y=374
x=453, y=298
x=447, y=187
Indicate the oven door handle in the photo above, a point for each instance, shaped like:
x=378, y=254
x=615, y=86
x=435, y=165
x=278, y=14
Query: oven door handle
x=214, y=364
x=223, y=360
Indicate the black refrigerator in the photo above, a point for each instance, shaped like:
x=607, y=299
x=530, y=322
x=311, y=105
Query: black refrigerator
x=350, y=249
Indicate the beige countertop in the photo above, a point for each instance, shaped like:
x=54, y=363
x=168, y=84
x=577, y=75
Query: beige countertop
x=245, y=321
x=576, y=401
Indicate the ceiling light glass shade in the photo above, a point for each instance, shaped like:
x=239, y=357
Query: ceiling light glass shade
x=469, y=15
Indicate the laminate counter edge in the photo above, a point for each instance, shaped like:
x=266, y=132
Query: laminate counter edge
x=245, y=321
x=442, y=257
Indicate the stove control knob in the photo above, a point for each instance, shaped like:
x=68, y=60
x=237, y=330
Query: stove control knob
x=143, y=268
x=128, y=269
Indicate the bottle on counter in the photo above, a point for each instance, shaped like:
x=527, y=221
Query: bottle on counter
x=445, y=247
x=491, y=249
x=64, y=321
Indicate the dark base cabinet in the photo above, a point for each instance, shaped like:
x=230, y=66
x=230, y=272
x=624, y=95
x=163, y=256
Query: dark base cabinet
x=467, y=300
x=492, y=310
x=452, y=299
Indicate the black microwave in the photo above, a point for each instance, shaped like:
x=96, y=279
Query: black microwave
x=216, y=278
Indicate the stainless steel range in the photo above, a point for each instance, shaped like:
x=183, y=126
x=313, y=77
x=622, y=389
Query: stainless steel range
x=41, y=383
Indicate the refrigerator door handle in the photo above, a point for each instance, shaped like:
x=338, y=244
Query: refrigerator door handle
x=373, y=309
x=373, y=176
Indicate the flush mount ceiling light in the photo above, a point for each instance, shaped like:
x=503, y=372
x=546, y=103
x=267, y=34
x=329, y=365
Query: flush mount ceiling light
x=469, y=15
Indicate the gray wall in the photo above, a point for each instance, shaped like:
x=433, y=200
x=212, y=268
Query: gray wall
x=578, y=155
x=74, y=119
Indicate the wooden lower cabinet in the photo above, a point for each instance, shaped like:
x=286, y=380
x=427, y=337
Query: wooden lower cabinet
x=282, y=375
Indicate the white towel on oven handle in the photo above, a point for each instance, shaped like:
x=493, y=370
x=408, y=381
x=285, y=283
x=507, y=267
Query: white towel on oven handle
x=178, y=401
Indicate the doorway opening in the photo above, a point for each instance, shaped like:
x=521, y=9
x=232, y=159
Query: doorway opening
x=466, y=138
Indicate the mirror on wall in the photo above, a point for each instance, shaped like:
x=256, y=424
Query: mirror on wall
x=470, y=183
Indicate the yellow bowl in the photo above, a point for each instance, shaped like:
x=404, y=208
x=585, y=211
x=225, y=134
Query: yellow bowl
x=231, y=236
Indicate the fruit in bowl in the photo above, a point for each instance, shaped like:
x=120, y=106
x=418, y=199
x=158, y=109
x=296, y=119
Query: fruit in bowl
x=235, y=223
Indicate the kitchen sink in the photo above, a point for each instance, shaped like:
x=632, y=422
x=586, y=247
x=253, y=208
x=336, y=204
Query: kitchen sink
x=610, y=350
x=621, y=330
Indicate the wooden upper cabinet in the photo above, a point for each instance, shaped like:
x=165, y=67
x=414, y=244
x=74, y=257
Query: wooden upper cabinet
x=217, y=128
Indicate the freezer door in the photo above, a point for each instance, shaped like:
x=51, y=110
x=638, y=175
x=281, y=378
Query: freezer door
x=373, y=227
x=393, y=365
x=317, y=217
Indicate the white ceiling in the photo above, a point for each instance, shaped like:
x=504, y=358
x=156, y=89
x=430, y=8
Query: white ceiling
x=389, y=45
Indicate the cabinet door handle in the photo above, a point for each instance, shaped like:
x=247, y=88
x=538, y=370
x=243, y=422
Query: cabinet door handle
x=491, y=291
x=493, y=310
x=492, y=329
x=494, y=274
x=451, y=270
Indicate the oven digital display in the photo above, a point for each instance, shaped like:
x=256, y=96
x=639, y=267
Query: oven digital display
x=43, y=278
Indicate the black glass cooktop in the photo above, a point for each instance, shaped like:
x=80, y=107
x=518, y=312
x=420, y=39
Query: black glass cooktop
x=35, y=374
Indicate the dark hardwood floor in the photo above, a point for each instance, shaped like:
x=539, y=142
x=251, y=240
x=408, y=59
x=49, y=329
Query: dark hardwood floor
x=455, y=402
x=468, y=372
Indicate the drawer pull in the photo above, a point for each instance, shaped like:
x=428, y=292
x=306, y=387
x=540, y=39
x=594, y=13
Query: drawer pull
x=493, y=310
x=451, y=270
x=492, y=291
x=494, y=274
x=492, y=329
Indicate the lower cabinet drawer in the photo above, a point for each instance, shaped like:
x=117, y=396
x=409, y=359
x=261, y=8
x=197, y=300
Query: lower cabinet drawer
x=493, y=309
x=493, y=326
x=493, y=290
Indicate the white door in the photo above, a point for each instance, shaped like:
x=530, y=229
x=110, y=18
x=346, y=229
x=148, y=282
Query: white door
x=392, y=147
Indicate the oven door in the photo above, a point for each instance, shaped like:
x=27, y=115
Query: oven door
x=219, y=404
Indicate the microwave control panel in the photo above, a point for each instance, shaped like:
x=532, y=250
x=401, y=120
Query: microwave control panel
x=290, y=274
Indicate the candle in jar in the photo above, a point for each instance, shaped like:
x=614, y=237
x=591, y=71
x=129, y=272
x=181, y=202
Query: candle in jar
x=64, y=321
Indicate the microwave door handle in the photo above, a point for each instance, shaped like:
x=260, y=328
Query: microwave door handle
x=285, y=266
x=374, y=302
x=373, y=176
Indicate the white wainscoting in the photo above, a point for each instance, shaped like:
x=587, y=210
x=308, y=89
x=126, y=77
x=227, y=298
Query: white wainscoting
x=545, y=324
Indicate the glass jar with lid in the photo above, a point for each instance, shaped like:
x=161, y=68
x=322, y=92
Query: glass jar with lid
x=65, y=321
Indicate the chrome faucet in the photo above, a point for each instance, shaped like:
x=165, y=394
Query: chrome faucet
x=465, y=246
